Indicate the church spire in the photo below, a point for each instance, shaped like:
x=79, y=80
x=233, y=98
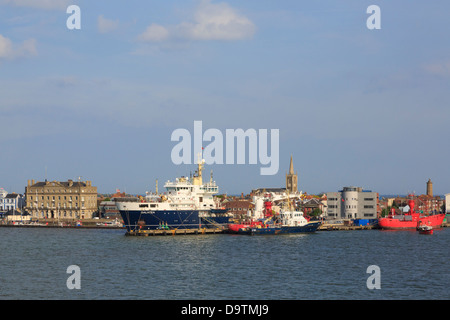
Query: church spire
x=291, y=179
x=291, y=167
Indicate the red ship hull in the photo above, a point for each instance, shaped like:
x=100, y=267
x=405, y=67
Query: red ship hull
x=412, y=222
x=235, y=227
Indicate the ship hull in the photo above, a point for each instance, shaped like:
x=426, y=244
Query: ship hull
x=308, y=228
x=237, y=227
x=434, y=221
x=171, y=219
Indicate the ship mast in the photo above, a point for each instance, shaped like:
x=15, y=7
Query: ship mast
x=198, y=178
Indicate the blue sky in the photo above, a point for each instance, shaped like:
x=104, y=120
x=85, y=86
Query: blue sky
x=354, y=106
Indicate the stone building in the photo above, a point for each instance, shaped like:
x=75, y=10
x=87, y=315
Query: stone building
x=62, y=200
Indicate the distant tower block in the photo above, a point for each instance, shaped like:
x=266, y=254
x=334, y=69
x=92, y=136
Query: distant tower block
x=429, y=188
x=291, y=179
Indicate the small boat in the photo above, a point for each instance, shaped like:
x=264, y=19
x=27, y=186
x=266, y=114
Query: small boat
x=424, y=229
x=113, y=223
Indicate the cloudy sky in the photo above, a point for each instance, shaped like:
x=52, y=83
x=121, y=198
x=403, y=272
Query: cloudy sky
x=353, y=106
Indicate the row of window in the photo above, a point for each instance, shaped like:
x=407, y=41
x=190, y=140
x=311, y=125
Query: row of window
x=53, y=198
x=365, y=215
x=47, y=205
x=355, y=199
x=8, y=201
x=75, y=190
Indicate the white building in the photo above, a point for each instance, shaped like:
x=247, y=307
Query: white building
x=352, y=203
x=11, y=202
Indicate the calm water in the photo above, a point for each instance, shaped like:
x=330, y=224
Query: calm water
x=325, y=265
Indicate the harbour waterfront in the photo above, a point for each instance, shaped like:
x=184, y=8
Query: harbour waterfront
x=324, y=265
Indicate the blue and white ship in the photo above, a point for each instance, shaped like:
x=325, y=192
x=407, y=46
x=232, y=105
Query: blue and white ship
x=188, y=203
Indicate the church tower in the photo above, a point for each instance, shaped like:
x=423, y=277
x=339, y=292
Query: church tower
x=291, y=179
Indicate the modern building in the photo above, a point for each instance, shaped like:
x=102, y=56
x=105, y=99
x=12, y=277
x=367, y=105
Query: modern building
x=352, y=203
x=62, y=200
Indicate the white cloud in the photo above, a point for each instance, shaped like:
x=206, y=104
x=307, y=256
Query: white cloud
x=5, y=47
x=41, y=4
x=9, y=50
x=154, y=33
x=106, y=25
x=210, y=22
x=217, y=22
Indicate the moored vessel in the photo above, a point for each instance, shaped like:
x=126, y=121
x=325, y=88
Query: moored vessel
x=424, y=229
x=410, y=220
x=269, y=222
x=187, y=204
x=287, y=222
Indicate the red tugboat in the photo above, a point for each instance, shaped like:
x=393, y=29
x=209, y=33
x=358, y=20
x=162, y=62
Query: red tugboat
x=410, y=220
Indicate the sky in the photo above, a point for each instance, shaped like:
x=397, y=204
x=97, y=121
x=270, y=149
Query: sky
x=354, y=106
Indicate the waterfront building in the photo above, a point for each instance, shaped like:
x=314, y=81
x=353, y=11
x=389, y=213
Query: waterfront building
x=238, y=207
x=62, y=200
x=107, y=205
x=313, y=205
x=12, y=202
x=352, y=203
